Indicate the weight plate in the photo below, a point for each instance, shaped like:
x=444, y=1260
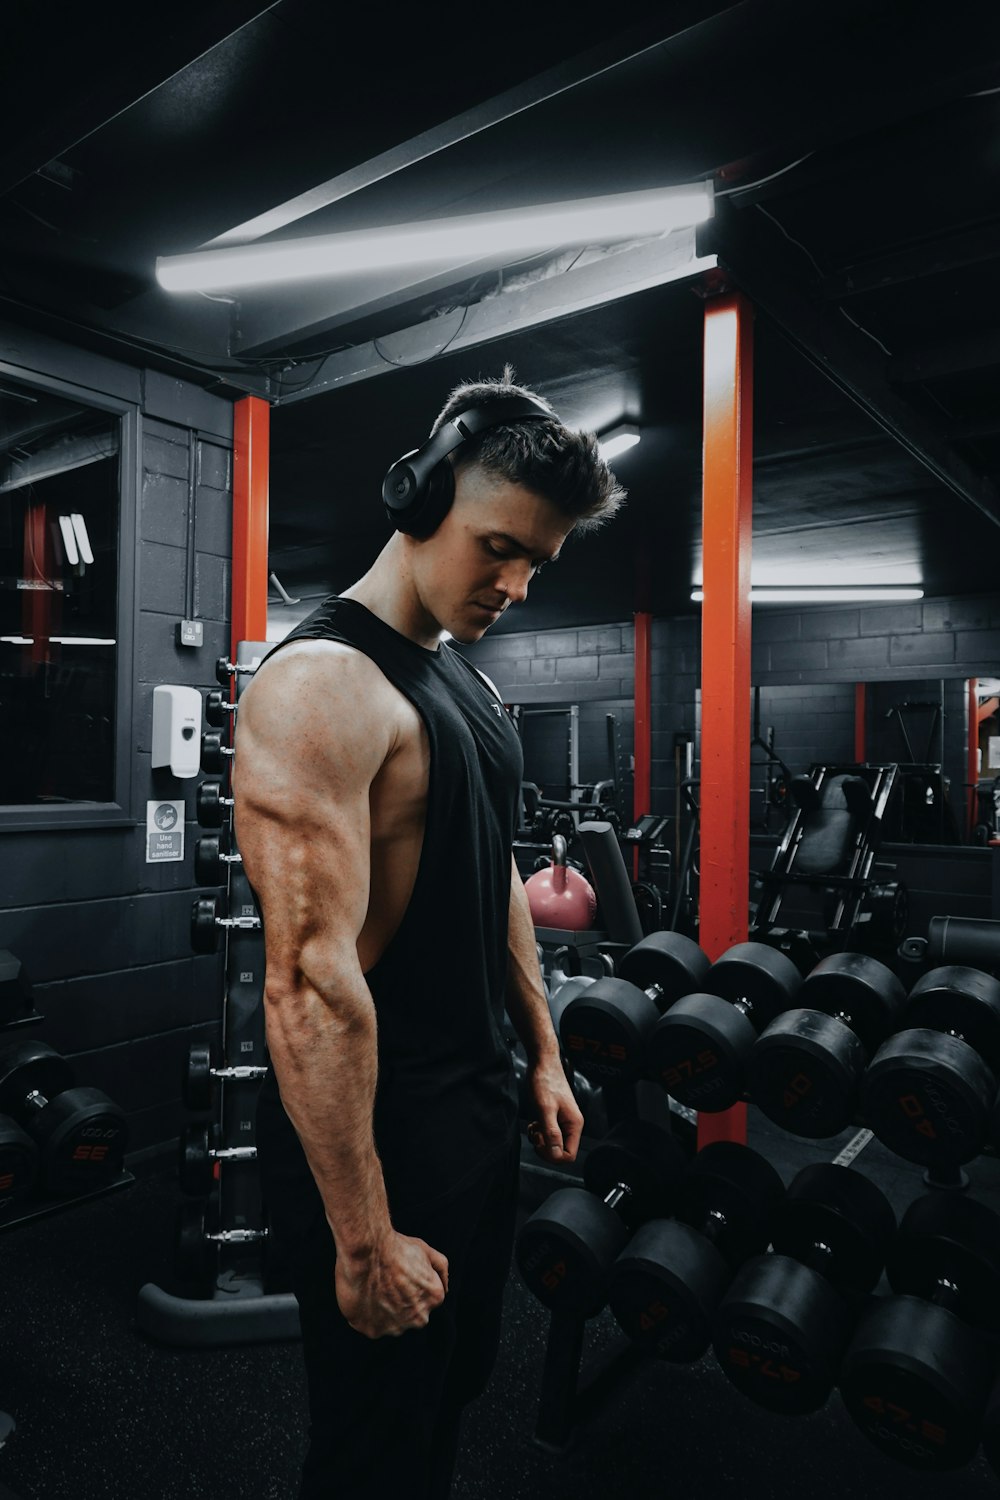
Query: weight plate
x=198, y=1080
x=846, y=1215
x=208, y=867
x=195, y=1257
x=603, y=1031
x=955, y=1241
x=958, y=999
x=195, y=1166
x=759, y=974
x=861, y=989
x=204, y=933
x=780, y=1334
x=915, y=1380
x=668, y=959
x=646, y=1159
x=730, y=1195
x=698, y=1052
x=82, y=1137
x=928, y=1097
x=209, y=806
x=665, y=1289
x=27, y=1068
x=565, y=1250
x=805, y=1072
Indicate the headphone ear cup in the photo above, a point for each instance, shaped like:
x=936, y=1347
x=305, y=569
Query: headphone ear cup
x=439, y=492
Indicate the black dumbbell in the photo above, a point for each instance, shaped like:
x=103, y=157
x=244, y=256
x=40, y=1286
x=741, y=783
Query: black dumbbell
x=567, y=1247
x=211, y=857
x=208, y=918
x=916, y=1377
x=16, y=991
x=805, y=1070
x=786, y=1320
x=196, y=1249
x=18, y=1163
x=197, y=1156
x=201, y=1068
x=217, y=710
x=214, y=754
x=991, y=1428
x=80, y=1133
x=929, y=1091
x=604, y=1030
x=211, y=806
x=668, y=1282
x=698, y=1051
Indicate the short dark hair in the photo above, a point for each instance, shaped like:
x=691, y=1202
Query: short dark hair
x=564, y=467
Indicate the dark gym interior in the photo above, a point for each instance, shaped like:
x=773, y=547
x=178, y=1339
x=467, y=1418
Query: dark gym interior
x=853, y=153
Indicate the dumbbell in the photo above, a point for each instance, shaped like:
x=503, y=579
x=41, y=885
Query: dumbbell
x=18, y=1163
x=785, y=1322
x=214, y=754
x=201, y=1068
x=916, y=1377
x=699, y=1049
x=604, y=1030
x=197, y=1157
x=80, y=1133
x=929, y=1091
x=198, y=1239
x=567, y=1247
x=668, y=1282
x=217, y=709
x=805, y=1070
x=206, y=923
x=211, y=856
x=225, y=669
x=211, y=805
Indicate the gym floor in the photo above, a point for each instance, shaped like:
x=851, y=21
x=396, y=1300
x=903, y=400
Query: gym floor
x=105, y=1414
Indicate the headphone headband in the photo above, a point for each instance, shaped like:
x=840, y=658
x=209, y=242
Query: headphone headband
x=419, y=488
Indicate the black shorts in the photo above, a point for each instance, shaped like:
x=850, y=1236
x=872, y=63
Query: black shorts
x=384, y=1413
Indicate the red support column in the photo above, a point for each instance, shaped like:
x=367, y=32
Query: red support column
x=860, y=735
x=972, y=773
x=251, y=462
x=642, y=780
x=725, y=646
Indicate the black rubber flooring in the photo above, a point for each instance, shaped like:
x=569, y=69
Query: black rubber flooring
x=103, y=1413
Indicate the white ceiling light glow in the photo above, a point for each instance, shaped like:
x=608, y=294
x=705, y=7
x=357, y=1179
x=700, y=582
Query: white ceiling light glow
x=495, y=236
x=837, y=595
x=618, y=440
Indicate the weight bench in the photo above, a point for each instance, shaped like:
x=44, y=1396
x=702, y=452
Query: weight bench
x=829, y=850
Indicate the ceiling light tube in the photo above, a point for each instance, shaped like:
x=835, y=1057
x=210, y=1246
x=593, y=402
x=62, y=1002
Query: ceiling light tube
x=69, y=541
x=846, y=595
x=618, y=440
x=469, y=237
x=82, y=536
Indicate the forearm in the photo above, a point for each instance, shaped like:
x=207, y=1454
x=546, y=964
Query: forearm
x=527, y=1006
x=325, y=1056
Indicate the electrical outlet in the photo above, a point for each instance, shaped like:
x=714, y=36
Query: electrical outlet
x=190, y=633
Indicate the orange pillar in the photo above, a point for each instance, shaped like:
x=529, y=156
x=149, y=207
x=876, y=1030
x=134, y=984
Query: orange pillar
x=972, y=773
x=642, y=780
x=860, y=736
x=251, y=463
x=725, y=646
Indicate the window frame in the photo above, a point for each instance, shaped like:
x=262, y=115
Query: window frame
x=19, y=817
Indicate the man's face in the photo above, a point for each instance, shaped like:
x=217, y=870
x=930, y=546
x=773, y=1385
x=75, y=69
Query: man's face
x=485, y=553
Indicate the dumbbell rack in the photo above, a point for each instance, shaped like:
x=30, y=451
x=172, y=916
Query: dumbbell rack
x=238, y=1309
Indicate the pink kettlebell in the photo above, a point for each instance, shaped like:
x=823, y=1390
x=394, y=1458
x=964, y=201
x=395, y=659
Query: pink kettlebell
x=559, y=896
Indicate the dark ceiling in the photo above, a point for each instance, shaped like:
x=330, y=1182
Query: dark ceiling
x=855, y=151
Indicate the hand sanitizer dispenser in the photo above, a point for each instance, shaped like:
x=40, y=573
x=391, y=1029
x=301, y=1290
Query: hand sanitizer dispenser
x=177, y=729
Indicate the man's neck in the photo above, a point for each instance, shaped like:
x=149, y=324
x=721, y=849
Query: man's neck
x=387, y=591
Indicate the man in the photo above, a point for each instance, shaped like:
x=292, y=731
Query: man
x=377, y=782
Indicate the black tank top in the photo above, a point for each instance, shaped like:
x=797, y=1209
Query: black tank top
x=446, y=1099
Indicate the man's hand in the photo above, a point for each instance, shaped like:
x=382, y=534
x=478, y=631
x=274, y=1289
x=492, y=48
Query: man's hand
x=394, y=1289
x=556, y=1133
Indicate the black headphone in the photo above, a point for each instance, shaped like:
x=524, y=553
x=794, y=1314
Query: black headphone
x=419, y=488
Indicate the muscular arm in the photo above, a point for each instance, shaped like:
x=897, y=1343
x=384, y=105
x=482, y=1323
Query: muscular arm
x=560, y=1123
x=314, y=731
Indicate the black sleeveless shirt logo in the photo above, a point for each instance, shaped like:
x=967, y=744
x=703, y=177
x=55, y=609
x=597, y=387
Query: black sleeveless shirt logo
x=446, y=1100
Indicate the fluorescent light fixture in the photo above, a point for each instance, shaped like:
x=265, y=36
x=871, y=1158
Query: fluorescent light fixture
x=69, y=541
x=845, y=595
x=618, y=440
x=57, y=640
x=468, y=237
x=82, y=537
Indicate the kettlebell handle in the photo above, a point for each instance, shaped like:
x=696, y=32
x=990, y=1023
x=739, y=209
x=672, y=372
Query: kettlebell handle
x=558, y=849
